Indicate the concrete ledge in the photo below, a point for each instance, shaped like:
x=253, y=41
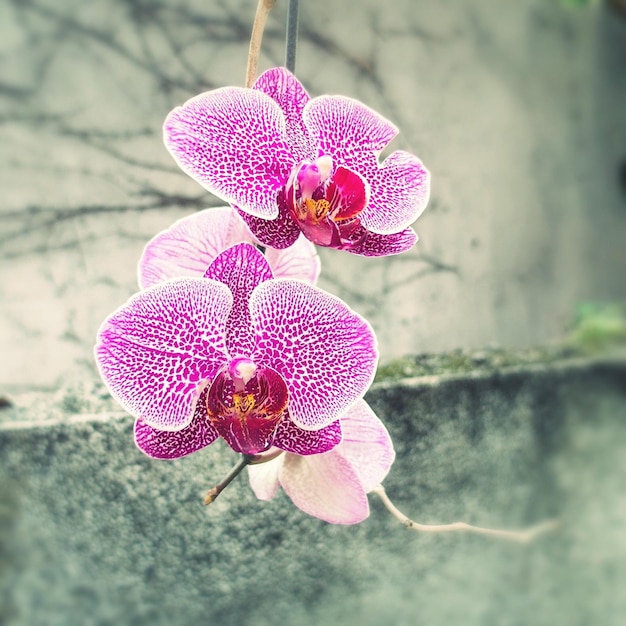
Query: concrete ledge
x=94, y=533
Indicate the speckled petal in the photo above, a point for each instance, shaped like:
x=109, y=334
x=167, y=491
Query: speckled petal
x=234, y=142
x=400, y=189
x=372, y=244
x=353, y=135
x=324, y=486
x=366, y=445
x=164, y=444
x=299, y=261
x=347, y=130
x=279, y=233
x=155, y=352
x=241, y=268
x=287, y=91
x=326, y=353
x=291, y=438
x=190, y=245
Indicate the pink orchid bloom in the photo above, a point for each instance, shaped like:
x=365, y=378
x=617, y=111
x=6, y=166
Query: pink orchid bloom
x=239, y=354
x=192, y=243
x=334, y=485
x=291, y=164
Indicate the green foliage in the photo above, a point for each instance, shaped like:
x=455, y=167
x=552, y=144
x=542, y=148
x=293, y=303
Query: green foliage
x=463, y=361
x=577, y=3
x=599, y=325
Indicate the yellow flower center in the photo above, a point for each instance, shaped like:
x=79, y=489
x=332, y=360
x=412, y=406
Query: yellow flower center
x=244, y=402
x=317, y=210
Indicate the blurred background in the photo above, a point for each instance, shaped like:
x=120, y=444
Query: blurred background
x=517, y=108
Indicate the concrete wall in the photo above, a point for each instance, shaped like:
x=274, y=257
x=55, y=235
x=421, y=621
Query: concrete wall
x=516, y=107
x=94, y=533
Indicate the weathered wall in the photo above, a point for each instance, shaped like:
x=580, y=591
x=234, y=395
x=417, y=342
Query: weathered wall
x=517, y=109
x=94, y=533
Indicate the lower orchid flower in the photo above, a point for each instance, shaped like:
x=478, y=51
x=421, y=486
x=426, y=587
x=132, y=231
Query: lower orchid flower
x=259, y=361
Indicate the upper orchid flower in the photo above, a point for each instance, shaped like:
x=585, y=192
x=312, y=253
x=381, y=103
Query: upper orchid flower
x=260, y=361
x=292, y=164
x=192, y=243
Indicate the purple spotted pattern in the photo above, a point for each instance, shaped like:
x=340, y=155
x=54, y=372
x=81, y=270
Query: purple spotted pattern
x=159, y=353
x=234, y=141
x=241, y=273
x=320, y=347
x=164, y=444
x=291, y=438
x=156, y=351
x=248, y=145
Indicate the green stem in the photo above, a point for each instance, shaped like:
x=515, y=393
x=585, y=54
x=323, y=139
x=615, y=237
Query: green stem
x=247, y=459
x=292, y=35
x=215, y=491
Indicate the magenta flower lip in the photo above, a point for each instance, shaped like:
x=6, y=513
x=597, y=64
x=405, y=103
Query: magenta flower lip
x=246, y=409
x=161, y=353
x=258, y=148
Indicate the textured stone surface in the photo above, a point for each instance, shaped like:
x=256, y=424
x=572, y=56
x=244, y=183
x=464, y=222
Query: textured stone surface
x=94, y=533
x=517, y=110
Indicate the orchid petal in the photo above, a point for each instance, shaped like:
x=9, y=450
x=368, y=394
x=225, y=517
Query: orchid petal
x=326, y=352
x=280, y=232
x=353, y=135
x=372, y=244
x=164, y=444
x=400, y=189
x=156, y=350
x=234, y=142
x=333, y=486
x=348, y=194
x=287, y=91
x=291, y=438
x=366, y=445
x=241, y=268
x=264, y=477
x=347, y=130
x=325, y=486
x=190, y=245
x=299, y=261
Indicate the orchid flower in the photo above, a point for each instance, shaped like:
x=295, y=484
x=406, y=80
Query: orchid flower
x=192, y=243
x=239, y=354
x=332, y=486
x=291, y=164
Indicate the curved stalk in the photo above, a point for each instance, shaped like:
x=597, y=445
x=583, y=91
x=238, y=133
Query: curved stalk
x=521, y=536
x=256, y=38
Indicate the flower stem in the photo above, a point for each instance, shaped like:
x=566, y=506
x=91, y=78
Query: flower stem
x=247, y=459
x=292, y=35
x=521, y=536
x=262, y=11
x=215, y=491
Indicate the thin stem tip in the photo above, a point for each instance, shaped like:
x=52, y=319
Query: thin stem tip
x=521, y=536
